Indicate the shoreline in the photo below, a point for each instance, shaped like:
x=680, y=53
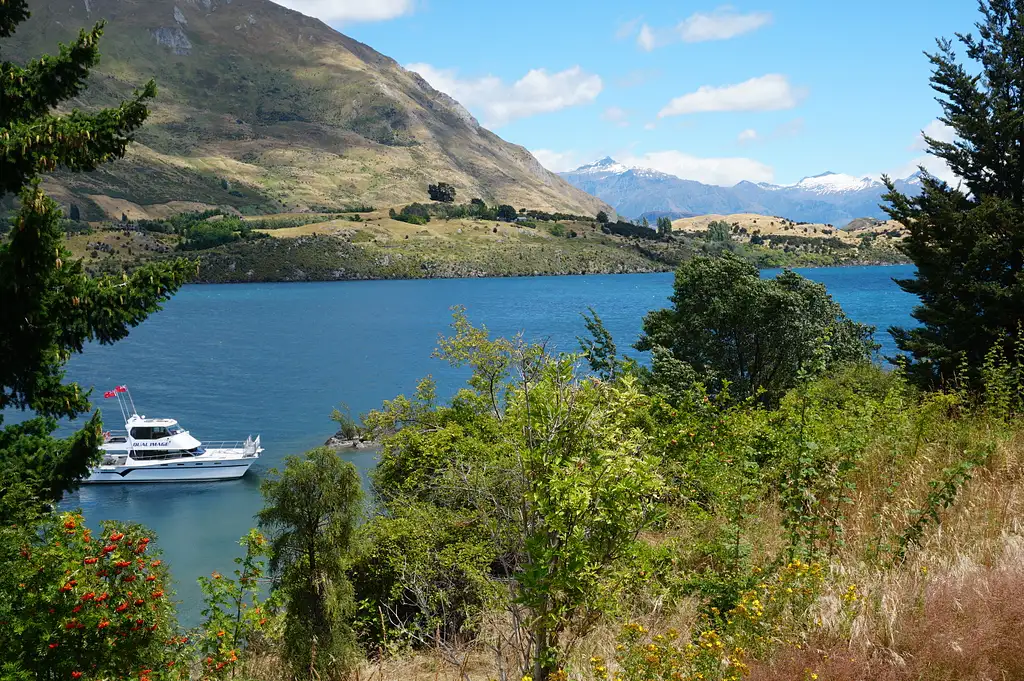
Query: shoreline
x=518, y=275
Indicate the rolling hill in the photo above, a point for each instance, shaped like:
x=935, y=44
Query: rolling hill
x=264, y=109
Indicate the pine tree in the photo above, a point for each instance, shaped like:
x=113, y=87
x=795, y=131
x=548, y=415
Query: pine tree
x=49, y=306
x=967, y=241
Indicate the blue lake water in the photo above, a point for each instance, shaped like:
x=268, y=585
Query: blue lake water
x=274, y=359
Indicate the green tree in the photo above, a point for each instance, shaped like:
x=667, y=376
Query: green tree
x=73, y=213
x=967, y=241
x=602, y=217
x=49, y=307
x=442, y=191
x=730, y=325
x=664, y=226
x=542, y=478
x=310, y=512
x=599, y=349
x=718, y=231
x=506, y=212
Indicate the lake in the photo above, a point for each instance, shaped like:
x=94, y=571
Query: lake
x=274, y=359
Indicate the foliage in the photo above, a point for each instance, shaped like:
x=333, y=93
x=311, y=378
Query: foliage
x=966, y=242
x=551, y=468
x=78, y=606
x=719, y=231
x=664, y=226
x=49, y=307
x=442, y=191
x=347, y=426
x=599, y=350
x=210, y=234
x=506, y=212
x=628, y=229
x=602, y=217
x=590, y=489
x=236, y=618
x=773, y=328
x=414, y=213
x=310, y=511
x=73, y=213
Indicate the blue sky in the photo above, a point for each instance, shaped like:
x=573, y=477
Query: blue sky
x=772, y=90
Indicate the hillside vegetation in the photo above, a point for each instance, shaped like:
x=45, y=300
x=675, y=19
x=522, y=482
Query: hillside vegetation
x=373, y=245
x=263, y=109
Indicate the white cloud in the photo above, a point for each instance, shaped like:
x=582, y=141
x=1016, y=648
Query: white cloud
x=557, y=161
x=650, y=126
x=937, y=130
x=720, y=171
x=616, y=115
x=351, y=10
x=499, y=102
x=645, y=39
x=627, y=28
x=766, y=93
x=748, y=135
x=933, y=164
x=722, y=24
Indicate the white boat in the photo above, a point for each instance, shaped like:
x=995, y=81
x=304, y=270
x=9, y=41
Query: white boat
x=160, y=450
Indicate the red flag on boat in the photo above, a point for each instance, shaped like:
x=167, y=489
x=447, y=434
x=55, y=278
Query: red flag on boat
x=121, y=389
x=109, y=393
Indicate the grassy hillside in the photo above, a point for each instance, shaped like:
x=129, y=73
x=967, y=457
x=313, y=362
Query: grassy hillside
x=373, y=245
x=264, y=109
x=745, y=225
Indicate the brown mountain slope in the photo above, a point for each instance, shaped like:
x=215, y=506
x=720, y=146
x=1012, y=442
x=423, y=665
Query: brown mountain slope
x=261, y=107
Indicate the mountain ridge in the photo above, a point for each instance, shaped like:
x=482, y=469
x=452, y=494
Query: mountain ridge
x=827, y=198
x=262, y=108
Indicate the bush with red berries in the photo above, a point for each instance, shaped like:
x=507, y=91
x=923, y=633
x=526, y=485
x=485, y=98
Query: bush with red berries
x=79, y=606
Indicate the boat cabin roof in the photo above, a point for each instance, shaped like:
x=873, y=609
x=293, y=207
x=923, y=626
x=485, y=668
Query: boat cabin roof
x=137, y=420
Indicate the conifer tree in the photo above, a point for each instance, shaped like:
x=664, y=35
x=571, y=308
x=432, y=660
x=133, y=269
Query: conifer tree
x=49, y=306
x=967, y=240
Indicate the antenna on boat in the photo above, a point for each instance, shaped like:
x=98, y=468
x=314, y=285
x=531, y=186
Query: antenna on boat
x=123, y=402
x=128, y=397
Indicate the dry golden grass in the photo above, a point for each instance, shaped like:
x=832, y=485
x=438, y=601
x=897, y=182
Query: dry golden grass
x=768, y=225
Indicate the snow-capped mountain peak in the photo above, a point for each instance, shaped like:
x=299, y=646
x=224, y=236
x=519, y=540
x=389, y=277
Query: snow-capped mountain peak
x=605, y=165
x=830, y=198
x=830, y=182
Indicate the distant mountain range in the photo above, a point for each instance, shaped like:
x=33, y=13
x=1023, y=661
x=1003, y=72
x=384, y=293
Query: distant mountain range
x=829, y=198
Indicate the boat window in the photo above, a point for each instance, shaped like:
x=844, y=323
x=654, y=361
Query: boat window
x=151, y=454
x=175, y=429
x=142, y=433
x=158, y=432
x=197, y=451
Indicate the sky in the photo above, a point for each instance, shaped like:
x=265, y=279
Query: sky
x=759, y=90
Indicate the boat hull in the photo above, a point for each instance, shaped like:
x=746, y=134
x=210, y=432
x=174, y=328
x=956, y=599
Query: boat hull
x=205, y=471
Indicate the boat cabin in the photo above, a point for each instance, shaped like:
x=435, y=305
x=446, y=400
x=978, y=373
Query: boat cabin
x=149, y=439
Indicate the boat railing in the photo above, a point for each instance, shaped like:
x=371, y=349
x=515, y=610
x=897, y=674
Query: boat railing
x=248, y=446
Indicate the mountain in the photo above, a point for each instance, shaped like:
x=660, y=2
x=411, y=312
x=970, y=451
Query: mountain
x=263, y=108
x=828, y=198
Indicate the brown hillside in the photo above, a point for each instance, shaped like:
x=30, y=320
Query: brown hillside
x=263, y=108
